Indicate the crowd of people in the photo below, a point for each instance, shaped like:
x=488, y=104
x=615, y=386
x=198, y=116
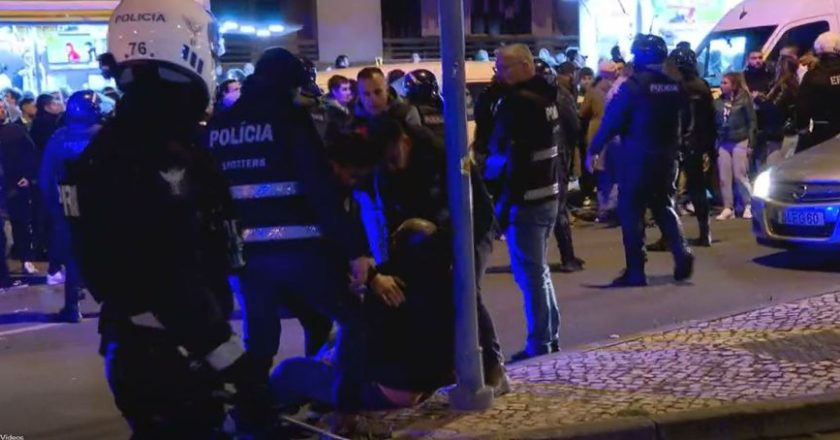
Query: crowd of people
x=331, y=208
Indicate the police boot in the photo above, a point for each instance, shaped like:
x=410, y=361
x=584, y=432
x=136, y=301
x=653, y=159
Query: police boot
x=705, y=239
x=630, y=278
x=684, y=268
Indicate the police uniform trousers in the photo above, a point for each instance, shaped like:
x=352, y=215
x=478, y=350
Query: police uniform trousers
x=648, y=181
x=155, y=388
x=308, y=276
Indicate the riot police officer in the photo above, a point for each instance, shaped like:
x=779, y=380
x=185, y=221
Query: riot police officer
x=697, y=140
x=83, y=119
x=144, y=198
x=645, y=113
x=819, y=94
x=298, y=237
x=422, y=91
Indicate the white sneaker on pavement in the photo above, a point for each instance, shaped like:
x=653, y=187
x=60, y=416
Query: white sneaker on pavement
x=29, y=268
x=54, y=280
x=748, y=213
x=726, y=214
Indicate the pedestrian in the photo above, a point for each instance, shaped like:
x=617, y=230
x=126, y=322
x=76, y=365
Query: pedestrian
x=28, y=110
x=144, y=198
x=412, y=183
x=527, y=165
x=375, y=99
x=83, y=121
x=20, y=169
x=593, y=110
x=49, y=109
x=12, y=97
x=779, y=109
x=423, y=92
x=342, y=62
x=227, y=94
x=819, y=91
x=645, y=114
x=570, y=125
x=737, y=125
x=300, y=242
x=757, y=76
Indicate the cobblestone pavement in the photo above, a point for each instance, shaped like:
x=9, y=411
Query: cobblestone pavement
x=791, y=350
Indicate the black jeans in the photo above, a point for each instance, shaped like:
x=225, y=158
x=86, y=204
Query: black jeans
x=696, y=187
x=21, y=217
x=491, y=350
x=563, y=227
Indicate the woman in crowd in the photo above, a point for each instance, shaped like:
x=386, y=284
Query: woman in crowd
x=737, y=125
x=778, y=109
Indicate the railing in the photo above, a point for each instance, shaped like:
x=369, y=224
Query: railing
x=429, y=47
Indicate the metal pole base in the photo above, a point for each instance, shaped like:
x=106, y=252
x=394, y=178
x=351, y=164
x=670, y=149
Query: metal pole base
x=462, y=398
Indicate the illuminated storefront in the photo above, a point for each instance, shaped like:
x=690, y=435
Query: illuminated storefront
x=47, y=45
x=607, y=23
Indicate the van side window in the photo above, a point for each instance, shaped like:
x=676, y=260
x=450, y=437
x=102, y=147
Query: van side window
x=802, y=37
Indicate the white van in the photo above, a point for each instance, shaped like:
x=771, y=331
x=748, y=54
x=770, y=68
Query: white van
x=766, y=26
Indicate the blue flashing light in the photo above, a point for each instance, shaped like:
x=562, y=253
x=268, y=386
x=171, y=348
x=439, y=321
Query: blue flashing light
x=264, y=33
x=248, y=29
x=277, y=28
x=230, y=25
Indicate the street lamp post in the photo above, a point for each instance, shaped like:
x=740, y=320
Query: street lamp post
x=470, y=392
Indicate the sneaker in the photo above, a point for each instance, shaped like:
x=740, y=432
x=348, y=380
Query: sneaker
x=748, y=213
x=29, y=268
x=54, y=280
x=524, y=355
x=496, y=378
x=575, y=265
x=726, y=214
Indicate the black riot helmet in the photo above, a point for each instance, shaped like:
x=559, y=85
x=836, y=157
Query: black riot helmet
x=544, y=70
x=421, y=87
x=685, y=61
x=311, y=87
x=277, y=70
x=649, y=50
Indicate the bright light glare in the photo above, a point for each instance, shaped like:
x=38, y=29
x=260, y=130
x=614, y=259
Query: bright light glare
x=230, y=25
x=277, y=28
x=763, y=185
x=263, y=33
x=248, y=29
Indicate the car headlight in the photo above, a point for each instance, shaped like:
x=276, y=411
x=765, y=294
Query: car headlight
x=762, y=185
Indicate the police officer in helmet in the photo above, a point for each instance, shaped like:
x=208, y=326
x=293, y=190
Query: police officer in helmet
x=645, y=113
x=144, y=198
x=422, y=91
x=819, y=94
x=83, y=119
x=300, y=242
x=697, y=139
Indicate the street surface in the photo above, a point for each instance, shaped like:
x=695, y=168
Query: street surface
x=52, y=379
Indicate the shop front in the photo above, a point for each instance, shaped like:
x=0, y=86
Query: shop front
x=51, y=45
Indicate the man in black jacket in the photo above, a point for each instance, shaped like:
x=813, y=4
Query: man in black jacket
x=818, y=95
x=20, y=165
x=412, y=184
x=46, y=120
x=525, y=161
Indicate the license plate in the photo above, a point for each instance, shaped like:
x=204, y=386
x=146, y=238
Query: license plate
x=801, y=217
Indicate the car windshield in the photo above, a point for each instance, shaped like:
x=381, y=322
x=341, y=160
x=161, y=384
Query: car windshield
x=727, y=51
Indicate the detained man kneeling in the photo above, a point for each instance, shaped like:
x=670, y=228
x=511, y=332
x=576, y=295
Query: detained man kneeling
x=408, y=352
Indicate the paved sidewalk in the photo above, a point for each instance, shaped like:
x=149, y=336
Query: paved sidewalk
x=783, y=352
